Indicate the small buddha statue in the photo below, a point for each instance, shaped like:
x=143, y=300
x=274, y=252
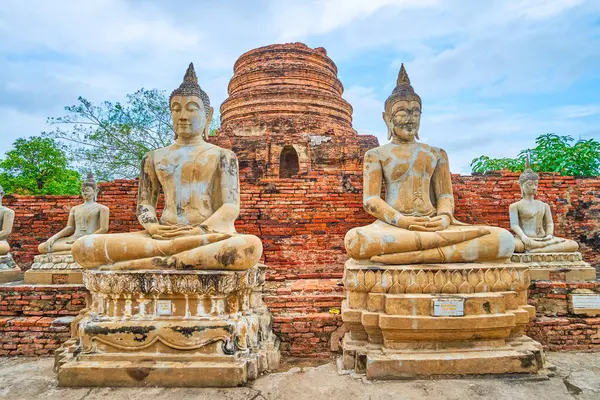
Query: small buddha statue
x=531, y=220
x=7, y=217
x=200, y=185
x=415, y=221
x=85, y=219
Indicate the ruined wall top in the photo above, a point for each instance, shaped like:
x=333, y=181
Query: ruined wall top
x=285, y=83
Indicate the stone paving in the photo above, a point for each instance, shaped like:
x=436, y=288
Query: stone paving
x=577, y=377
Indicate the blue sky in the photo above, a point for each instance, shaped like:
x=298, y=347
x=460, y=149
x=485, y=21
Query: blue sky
x=493, y=75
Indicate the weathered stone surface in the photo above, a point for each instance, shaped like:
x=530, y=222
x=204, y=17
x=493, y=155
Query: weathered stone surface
x=531, y=220
x=576, y=374
x=415, y=220
x=200, y=185
x=54, y=269
x=55, y=265
x=179, y=303
x=9, y=270
x=214, y=331
x=547, y=266
x=284, y=80
x=394, y=331
x=427, y=295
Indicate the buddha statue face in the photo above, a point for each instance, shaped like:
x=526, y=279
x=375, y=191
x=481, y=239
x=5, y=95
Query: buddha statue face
x=190, y=118
x=1, y=193
x=403, y=120
x=529, y=187
x=88, y=192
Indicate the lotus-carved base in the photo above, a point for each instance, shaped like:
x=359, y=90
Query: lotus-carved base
x=409, y=321
x=54, y=269
x=569, y=267
x=170, y=328
x=9, y=270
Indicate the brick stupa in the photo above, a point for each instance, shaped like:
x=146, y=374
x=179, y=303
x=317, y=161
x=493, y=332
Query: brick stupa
x=300, y=171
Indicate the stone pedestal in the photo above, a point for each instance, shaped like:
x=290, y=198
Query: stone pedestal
x=9, y=270
x=569, y=267
x=410, y=321
x=54, y=269
x=170, y=328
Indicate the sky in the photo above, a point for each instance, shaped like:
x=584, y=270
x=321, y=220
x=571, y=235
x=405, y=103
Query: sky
x=493, y=75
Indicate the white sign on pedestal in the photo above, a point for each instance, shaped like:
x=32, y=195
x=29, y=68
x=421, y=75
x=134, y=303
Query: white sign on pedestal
x=452, y=307
x=585, y=300
x=164, y=307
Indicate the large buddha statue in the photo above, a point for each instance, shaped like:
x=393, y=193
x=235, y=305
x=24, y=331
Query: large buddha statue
x=200, y=185
x=9, y=271
x=531, y=221
x=85, y=219
x=7, y=217
x=415, y=221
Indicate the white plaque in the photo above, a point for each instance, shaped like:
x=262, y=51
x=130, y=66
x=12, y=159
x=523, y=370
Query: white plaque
x=449, y=307
x=585, y=300
x=164, y=307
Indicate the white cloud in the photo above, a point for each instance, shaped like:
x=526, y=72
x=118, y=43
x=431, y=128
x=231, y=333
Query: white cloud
x=317, y=17
x=577, y=111
x=475, y=64
x=16, y=124
x=367, y=108
x=539, y=9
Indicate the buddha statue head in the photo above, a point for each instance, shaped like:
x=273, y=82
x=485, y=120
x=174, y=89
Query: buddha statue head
x=89, y=188
x=402, y=113
x=528, y=180
x=1, y=193
x=190, y=108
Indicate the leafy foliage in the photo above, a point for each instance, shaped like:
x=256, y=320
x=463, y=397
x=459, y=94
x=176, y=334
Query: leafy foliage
x=112, y=138
x=553, y=153
x=38, y=166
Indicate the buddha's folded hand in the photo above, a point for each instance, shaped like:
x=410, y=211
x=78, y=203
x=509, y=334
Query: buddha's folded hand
x=434, y=224
x=405, y=222
x=165, y=232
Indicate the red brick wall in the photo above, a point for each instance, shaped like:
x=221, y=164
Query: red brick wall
x=35, y=320
x=575, y=204
x=302, y=222
x=555, y=327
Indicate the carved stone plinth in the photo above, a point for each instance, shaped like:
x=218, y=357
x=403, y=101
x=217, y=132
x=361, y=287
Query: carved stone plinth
x=170, y=328
x=545, y=266
x=409, y=321
x=54, y=269
x=9, y=270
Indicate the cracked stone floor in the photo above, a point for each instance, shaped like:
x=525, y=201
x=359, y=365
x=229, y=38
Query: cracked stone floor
x=577, y=377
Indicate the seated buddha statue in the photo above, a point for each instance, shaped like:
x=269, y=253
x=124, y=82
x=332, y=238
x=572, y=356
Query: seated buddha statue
x=85, y=219
x=200, y=185
x=7, y=217
x=531, y=221
x=415, y=221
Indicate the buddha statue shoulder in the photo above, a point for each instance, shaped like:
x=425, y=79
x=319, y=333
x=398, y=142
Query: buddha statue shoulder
x=531, y=220
x=84, y=219
x=7, y=217
x=200, y=185
x=415, y=221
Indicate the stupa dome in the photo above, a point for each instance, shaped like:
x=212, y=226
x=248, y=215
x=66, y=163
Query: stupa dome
x=289, y=81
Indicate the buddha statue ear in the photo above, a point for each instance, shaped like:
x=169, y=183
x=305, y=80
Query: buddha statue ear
x=209, y=115
x=387, y=118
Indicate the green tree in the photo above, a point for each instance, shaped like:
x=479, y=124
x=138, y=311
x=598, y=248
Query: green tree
x=553, y=153
x=112, y=138
x=38, y=166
